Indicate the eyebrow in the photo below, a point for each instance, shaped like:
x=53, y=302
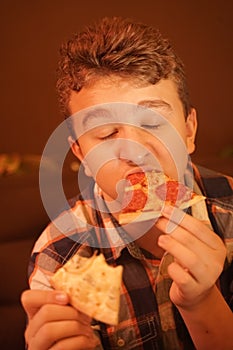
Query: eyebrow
x=155, y=103
x=106, y=114
x=96, y=113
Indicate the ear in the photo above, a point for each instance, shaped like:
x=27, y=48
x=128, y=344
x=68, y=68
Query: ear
x=78, y=153
x=191, y=129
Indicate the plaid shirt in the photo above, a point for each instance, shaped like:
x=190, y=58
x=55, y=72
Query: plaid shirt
x=147, y=318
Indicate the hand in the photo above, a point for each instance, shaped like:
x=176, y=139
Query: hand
x=53, y=324
x=198, y=253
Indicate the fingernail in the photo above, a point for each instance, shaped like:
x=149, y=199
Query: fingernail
x=61, y=297
x=162, y=239
x=167, y=209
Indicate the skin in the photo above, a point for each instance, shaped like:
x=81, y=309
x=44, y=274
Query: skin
x=53, y=324
x=199, y=253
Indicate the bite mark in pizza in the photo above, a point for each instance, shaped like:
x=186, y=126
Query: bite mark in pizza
x=92, y=285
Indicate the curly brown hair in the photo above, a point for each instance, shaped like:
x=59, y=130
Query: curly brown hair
x=120, y=47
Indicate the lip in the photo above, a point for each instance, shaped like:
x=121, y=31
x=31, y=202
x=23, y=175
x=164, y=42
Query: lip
x=142, y=169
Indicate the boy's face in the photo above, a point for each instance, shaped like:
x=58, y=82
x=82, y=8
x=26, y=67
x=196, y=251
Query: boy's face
x=122, y=138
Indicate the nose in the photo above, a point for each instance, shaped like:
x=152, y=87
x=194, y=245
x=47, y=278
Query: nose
x=132, y=146
x=132, y=151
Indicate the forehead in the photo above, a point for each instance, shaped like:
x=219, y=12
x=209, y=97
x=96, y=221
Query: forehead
x=123, y=102
x=113, y=90
x=122, y=112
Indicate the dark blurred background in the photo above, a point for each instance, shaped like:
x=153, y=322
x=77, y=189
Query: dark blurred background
x=31, y=34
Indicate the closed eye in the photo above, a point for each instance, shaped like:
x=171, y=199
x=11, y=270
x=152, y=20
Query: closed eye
x=109, y=136
x=150, y=126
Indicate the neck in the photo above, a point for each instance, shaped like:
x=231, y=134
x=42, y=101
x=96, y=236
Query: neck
x=145, y=235
x=149, y=242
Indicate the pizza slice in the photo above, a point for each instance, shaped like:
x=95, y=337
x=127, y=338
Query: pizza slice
x=146, y=193
x=93, y=286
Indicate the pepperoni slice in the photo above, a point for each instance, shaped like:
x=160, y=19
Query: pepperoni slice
x=136, y=178
x=171, y=191
x=134, y=200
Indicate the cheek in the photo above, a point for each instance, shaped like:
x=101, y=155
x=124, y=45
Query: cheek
x=171, y=152
x=109, y=180
x=166, y=161
x=85, y=144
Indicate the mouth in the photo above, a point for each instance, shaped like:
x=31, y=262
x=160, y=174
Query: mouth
x=142, y=169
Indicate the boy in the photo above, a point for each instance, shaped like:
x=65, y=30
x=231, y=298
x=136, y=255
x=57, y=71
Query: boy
x=126, y=91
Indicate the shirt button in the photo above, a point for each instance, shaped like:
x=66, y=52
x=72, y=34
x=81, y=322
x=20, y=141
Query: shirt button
x=120, y=342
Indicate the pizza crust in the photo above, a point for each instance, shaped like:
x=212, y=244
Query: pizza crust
x=93, y=286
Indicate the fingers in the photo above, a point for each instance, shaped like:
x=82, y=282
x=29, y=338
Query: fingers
x=198, y=252
x=194, y=246
x=71, y=334
x=32, y=300
x=202, y=266
x=177, y=218
x=182, y=243
x=52, y=321
x=51, y=313
x=81, y=343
